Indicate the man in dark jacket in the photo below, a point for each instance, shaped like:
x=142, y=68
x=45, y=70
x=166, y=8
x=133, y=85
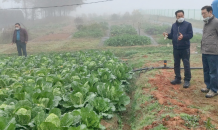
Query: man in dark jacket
x=209, y=49
x=181, y=33
x=20, y=37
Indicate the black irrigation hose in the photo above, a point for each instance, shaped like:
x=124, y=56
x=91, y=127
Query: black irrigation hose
x=164, y=67
x=173, y=68
x=147, y=69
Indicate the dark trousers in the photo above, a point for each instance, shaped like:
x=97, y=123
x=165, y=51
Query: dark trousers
x=183, y=55
x=210, y=64
x=21, y=47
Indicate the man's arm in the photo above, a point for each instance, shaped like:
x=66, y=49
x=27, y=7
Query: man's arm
x=189, y=34
x=217, y=28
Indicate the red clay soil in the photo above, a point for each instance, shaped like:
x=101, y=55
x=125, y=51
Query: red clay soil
x=53, y=37
x=111, y=124
x=176, y=95
x=105, y=124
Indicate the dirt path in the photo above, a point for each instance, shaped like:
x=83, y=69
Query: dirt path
x=190, y=101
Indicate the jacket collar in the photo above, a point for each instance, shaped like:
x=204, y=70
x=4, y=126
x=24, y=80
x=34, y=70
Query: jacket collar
x=210, y=19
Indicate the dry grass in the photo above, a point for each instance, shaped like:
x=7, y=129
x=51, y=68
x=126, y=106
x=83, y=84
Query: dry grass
x=53, y=46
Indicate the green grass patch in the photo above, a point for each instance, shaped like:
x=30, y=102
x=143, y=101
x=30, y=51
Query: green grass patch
x=191, y=121
x=196, y=38
x=209, y=125
x=143, y=107
x=159, y=127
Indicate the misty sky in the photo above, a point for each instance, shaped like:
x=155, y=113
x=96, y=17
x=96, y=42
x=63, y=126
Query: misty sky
x=121, y=6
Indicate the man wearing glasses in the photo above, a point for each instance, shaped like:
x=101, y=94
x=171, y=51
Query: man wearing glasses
x=209, y=49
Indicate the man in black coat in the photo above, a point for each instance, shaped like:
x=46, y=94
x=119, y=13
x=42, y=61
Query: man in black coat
x=181, y=33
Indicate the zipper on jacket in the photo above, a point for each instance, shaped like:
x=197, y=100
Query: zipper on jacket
x=178, y=37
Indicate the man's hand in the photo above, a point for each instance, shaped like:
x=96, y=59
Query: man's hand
x=164, y=34
x=12, y=43
x=26, y=42
x=180, y=36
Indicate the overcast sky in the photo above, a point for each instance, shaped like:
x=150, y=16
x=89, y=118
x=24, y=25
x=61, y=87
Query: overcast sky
x=121, y=6
x=129, y=5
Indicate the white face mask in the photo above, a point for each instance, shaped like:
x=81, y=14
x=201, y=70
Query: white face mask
x=17, y=28
x=180, y=20
x=206, y=20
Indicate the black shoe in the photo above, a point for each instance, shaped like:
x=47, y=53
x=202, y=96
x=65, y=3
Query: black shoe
x=186, y=84
x=205, y=90
x=176, y=81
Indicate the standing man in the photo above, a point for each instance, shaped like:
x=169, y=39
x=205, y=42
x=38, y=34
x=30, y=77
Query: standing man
x=209, y=49
x=181, y=33
x=20, y=37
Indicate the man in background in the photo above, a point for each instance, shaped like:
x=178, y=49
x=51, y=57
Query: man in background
x=20, y=37
x=181, y=33
x=209, y=49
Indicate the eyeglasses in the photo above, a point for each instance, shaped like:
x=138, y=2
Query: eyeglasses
x=204, y=13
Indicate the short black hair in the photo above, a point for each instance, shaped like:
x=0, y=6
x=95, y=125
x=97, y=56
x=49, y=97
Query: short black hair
x=208, y=8
x=178, y=11
x=17, y=24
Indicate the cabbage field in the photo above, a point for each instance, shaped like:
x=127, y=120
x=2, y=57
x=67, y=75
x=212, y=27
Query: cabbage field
x=64, y=91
